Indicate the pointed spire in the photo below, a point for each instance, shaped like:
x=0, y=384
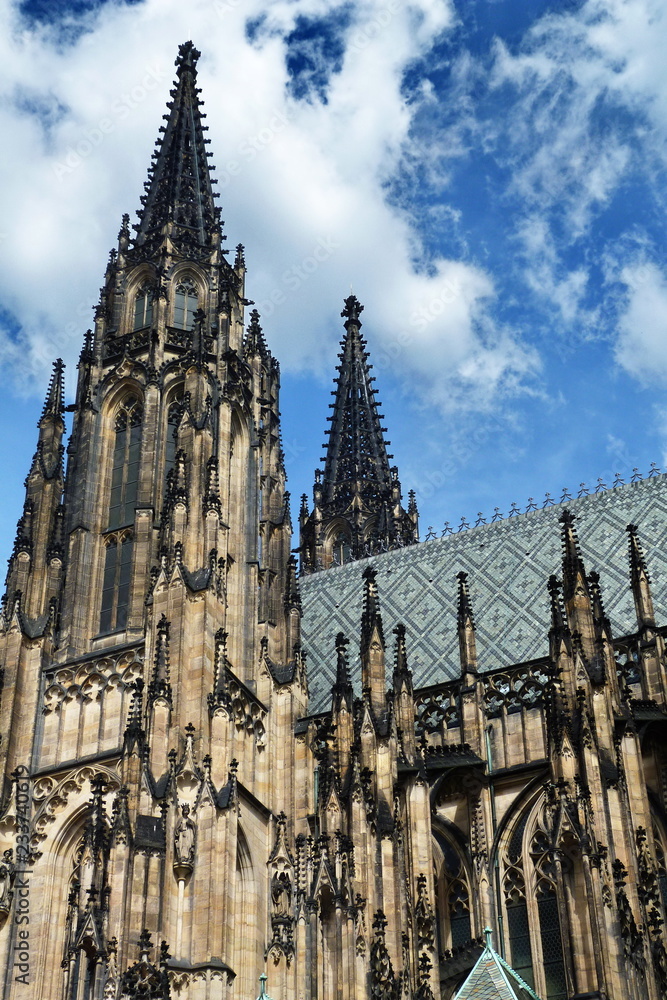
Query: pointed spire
x=179, y=189
x=573, y=564
x=466, y=628
x=559, y=624
x=160, y=686
x=357, y=463
x=358, y=489
x=134, y=732
x=54, y=404
x=372, y=647
x=371, y=619
x=640, y=581
x=402, y=673
x=255, y=342
x=465, y=617
x=602, y=626
x=342, y=690
x=292, y=590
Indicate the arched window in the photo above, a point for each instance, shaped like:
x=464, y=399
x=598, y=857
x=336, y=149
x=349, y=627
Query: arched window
x=143, y=308
x=116, y=583
x=521, y=955
x=342, y=550
x=185, y=305
x=125, y=474
x=453, y=899
x=533, y=919
x=122, y=503
x=174, y=414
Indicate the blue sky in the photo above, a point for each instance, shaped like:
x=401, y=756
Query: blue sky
x=487, y=177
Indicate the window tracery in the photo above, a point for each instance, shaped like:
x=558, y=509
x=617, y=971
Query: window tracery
x=143, y=308
x=531, y=898
x=186, y=301
x=118, y=540
x=453, y=900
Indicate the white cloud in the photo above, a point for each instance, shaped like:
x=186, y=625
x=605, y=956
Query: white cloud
x=295, y=176
x=641, y=347
x=588, y=109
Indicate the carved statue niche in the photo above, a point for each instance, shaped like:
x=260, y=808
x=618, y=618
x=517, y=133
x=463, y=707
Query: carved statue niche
x=281, y=894
x=281, y=869
x=184, y=843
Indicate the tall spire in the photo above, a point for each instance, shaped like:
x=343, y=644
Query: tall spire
x=357, y=463
x=359, y=492
x=179, y=188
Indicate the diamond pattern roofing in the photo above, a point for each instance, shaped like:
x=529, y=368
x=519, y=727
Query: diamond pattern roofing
x=509, y=563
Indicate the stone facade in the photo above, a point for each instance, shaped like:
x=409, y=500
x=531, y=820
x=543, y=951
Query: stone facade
x=177, y=817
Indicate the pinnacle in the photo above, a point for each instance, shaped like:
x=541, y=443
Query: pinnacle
x=573, y=564
x=54, y=404
x=465, y=614
x=179, y=189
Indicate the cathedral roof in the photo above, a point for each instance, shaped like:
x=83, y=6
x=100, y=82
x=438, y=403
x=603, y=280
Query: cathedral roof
x=493, y=979
x=508, y=563
x=179, y=188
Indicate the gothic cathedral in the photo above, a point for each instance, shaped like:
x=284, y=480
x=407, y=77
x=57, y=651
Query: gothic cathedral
x=194, y=808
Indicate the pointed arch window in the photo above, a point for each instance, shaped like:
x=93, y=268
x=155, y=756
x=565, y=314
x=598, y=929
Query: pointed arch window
x=116, y=582
x=533, y=918
x=454, y=916
x=118, y=539
x=547, y=908
x=186, y=302
x=518, y=928
x=126, y=455
x=342, y=550
x=174, y=414
x=143, y=308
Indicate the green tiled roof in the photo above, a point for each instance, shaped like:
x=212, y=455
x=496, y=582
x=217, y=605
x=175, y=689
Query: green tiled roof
x=509, y=563
x=493, y=979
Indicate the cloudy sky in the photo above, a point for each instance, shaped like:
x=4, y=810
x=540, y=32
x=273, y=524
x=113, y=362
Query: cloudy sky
x=487, y=176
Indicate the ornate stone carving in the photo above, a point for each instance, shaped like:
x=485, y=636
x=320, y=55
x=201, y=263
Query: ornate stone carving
x=184, y=843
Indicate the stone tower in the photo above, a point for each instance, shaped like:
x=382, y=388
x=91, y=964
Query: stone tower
x=180, y=815
x=357, y=499
x=150, y=640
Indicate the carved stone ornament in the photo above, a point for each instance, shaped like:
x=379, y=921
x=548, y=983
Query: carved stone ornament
x=184, y=843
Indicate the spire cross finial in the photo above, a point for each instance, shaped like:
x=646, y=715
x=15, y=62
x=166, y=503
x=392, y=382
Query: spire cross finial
x=352, y=310
x=187, y=58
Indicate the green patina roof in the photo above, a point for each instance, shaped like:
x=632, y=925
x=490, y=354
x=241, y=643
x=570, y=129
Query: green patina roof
x=493, y=979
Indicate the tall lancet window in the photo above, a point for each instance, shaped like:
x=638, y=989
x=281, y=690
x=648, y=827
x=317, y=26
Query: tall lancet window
x=143, y=308
x=185, y=305
x=119, y=534
x=174, y=415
